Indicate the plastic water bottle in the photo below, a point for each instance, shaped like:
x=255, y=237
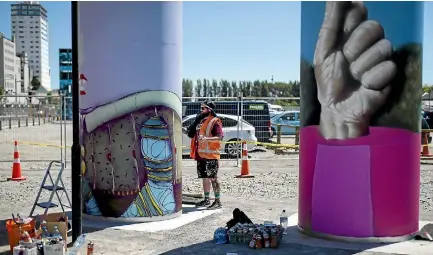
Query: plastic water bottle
x=81, y=240
x=56, y=233
x=45, y=236
x=284, y=218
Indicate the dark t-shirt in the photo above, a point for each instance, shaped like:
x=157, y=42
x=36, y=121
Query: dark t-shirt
x=217, y=130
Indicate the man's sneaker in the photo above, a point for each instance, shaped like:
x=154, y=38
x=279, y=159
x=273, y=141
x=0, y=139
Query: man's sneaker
x=203, y=203
x=215, y=205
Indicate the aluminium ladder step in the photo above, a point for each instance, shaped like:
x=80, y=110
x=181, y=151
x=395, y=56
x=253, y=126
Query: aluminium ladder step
x=51, y=188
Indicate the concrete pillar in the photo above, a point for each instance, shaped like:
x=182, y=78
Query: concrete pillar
x=360, y=119
x=130, y=104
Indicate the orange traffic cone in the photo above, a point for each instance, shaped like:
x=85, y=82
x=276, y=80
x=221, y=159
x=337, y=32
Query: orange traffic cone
x=16, y=168
x=425, y=150
x=245, y=170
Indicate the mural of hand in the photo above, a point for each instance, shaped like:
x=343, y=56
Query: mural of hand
x=352, y=68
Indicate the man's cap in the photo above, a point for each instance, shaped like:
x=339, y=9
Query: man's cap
x=209, y=104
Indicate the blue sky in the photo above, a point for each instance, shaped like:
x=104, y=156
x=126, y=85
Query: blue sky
x=231, y=40
x=404, y=16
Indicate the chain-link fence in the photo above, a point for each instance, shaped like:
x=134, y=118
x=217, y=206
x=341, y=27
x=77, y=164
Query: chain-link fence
x=38, y=125
x=264, y=123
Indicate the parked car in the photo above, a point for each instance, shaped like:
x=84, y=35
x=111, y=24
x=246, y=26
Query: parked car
x=275, y=109
x=428, y=116
x=254, y=112
x=285, y=118
x=231, y=126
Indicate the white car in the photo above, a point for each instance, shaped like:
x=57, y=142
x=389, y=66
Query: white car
x=230, y=129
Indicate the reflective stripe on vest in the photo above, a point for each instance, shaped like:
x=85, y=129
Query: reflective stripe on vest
x=210, y=126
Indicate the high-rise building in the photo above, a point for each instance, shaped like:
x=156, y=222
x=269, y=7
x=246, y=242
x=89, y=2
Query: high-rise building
x=30, y=28
x=65, y=80
x=7, y=64
x=26, y=73
x=65, y=69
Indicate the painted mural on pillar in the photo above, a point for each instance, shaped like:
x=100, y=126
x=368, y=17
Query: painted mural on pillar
x=130, y=109
x=360, y=117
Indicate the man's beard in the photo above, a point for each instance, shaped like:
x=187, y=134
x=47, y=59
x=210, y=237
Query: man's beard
x=205, y=114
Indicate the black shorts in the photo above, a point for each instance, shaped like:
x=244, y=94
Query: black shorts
x=207, y=168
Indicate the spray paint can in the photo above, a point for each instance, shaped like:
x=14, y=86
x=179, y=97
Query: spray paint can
x=90, y=248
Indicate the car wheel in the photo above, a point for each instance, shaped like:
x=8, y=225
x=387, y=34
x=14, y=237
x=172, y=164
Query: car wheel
x=233, y=149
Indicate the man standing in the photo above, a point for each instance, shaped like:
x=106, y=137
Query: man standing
x=206, y=134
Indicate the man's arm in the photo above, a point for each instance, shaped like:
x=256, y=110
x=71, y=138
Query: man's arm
x=191, y=130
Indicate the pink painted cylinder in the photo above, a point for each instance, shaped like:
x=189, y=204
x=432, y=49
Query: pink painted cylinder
x=359, y=167
x=365, y=187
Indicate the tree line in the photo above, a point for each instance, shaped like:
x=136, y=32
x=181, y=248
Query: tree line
x=427, y=88
x=226, y=88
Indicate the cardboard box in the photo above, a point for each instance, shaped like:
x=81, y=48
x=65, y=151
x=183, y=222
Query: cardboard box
x=54, y=249
x=52, y=220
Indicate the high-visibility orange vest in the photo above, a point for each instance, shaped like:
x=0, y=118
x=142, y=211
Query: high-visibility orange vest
x=206, y=149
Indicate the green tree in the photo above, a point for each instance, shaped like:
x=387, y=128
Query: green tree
x=224, y=88
x=198, y=88
x=234, y=89
x=215, y=88
x=427, y=88
x=205, y=88
x=36, y=84
x=256, y=89
x=2, y=94
x=296, y=89
x=264, y=89
x=187, y=88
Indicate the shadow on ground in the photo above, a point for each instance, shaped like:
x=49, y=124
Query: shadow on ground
x=287, y=246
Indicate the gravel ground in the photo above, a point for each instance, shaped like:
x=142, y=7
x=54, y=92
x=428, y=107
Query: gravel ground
x=273, y=189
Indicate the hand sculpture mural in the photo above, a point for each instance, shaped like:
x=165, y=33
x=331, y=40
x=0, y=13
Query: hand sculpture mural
x=353, y=70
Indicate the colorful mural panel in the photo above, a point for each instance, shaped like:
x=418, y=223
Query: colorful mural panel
x=131, y=126
x=360, y=118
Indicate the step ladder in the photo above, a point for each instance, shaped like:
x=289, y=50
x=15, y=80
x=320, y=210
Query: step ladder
x=56, y=187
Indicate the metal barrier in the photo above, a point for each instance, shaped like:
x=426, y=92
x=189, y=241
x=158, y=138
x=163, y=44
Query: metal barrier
x=43, y=127
x=34, y=123
x=248, y=118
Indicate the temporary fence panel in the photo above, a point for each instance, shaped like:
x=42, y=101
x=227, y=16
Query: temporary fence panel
x=249, y=119
x=37, y=127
